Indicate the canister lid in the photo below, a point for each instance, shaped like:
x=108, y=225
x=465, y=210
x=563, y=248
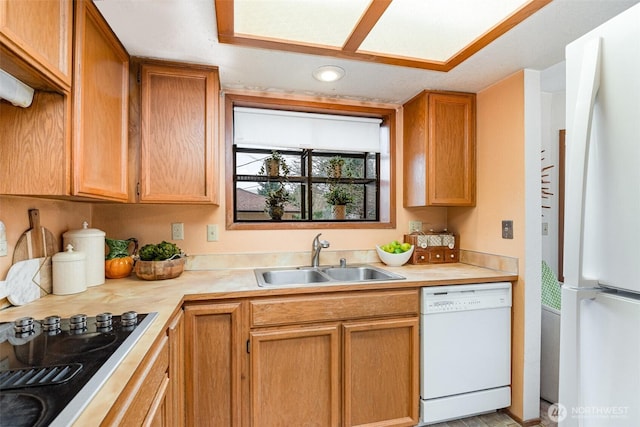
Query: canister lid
x=69, y=255
x=85, y=231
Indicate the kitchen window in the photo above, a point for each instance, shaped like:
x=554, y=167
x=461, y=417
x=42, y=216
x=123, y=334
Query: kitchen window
x=331, y=169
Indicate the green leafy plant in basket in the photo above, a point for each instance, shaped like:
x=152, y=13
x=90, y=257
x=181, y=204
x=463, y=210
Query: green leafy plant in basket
x=158, y=262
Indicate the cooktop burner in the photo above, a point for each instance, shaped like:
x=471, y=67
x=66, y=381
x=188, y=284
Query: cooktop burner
x=50, y=369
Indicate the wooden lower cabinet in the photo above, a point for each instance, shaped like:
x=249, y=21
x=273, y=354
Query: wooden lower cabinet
x=337, y=359
x=295, y=376
x=381, y=378
x=331, y=359
x=214, y=351
x=154, y=395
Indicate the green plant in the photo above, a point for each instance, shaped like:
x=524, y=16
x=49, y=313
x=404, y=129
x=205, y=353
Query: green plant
x=338, y=195
x=278, y=197
x=275, y=201
x=334, y=166
x=160, y=252
x=277, y=159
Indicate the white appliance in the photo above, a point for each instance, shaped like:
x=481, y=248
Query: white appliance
x=465, y=350
x=600, y=322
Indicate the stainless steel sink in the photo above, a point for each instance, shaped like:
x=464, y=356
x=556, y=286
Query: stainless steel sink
x=359, y=274
x=301, y=276
x=289, y=277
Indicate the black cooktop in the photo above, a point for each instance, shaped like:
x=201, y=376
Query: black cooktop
x=50, y=369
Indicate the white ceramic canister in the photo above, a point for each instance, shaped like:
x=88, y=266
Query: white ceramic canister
x=69, y=270
x=91, y=242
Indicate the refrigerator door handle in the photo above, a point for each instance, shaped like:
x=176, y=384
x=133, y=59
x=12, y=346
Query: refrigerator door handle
x=578, y=143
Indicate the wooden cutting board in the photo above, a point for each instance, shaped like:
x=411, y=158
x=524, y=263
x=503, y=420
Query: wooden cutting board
x=37, y=242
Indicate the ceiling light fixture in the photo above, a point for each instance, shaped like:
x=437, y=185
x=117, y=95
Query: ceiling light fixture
x=328, y=73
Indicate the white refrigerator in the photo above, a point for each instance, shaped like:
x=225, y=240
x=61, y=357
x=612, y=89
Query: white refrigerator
x=600, y=319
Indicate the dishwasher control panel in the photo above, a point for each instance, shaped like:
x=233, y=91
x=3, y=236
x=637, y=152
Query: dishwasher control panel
x=444, y=299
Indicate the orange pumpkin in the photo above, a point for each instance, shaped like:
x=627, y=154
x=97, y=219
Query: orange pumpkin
x=117, y=268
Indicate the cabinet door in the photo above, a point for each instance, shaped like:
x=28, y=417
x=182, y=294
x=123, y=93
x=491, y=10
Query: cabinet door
x=213, y=345
x=143, y=401
x=39, y=33
x=178, y=108
x=439, y=150
x=175, y=394
x=451, y=172
x=295, y=376
x=381, y=372
x=100, y=110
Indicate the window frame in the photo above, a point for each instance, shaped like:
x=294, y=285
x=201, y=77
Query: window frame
x=387, y=197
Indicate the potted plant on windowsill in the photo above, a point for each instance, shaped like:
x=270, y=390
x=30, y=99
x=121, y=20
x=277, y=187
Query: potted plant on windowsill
x=274, y=164
x=334, y=167
x=339, y=197
x=275, y=202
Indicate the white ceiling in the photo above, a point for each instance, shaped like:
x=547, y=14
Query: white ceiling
x=185, y=30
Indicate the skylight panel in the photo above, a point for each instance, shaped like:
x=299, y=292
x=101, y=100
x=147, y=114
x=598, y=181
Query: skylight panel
x=317, y=22
x=435, y=29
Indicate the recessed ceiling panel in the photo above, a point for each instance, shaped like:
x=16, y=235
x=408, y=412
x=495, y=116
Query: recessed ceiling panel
x=431, y=34
x=435, y=30
x=317, y=22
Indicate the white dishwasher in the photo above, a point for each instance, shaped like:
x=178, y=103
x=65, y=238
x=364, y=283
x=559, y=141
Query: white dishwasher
x=465, y=350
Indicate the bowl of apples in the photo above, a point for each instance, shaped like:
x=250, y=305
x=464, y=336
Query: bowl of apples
x=395, y=254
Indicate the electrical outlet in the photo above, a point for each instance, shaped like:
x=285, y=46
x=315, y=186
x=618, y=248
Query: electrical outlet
x=545, y=228
x=507, y=229
x=415, y=226
x=177, y=231
x=212, y=232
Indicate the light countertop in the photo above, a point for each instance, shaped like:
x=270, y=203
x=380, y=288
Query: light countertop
x=166, y=297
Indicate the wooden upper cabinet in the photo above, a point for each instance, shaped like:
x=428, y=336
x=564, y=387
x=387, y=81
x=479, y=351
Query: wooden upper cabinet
x=100, y=108
x=34, y=153
x=36, y=41
x=439, y=150
x=178, y=108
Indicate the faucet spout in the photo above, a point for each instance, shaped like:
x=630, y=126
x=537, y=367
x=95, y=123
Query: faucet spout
x=316, y=247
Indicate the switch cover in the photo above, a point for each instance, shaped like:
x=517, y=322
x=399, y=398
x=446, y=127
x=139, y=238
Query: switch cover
x=177, y=231
x=507, y=229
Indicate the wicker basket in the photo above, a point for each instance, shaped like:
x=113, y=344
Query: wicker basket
x=160, y=270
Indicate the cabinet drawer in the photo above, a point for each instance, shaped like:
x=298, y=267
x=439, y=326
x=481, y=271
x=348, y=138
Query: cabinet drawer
x=135, y=401
x=435, y=255
x=321, y=308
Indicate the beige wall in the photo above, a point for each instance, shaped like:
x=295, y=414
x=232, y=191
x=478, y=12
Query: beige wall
x=56, y=215
x=500, y=195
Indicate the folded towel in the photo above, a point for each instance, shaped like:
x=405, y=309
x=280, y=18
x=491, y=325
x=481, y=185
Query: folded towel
x=551, y=293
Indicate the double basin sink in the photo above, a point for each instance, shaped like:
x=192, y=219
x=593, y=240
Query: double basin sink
x=300, y=276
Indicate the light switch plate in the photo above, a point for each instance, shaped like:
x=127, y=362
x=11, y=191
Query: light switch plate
x=212, y=232
x=507, y=229
x=177, y=231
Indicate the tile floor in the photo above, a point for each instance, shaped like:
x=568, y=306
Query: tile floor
x=498, y=419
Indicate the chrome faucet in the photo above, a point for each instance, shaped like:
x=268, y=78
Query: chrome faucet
x=316, y=248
